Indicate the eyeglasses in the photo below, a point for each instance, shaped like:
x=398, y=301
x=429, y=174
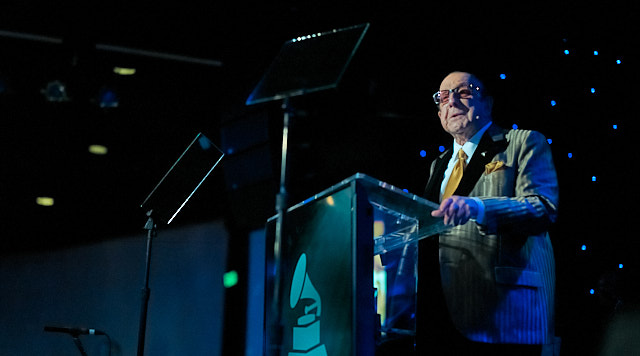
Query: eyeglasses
x=464, y=92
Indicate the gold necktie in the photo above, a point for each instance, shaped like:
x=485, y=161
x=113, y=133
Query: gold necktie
x=456, y=175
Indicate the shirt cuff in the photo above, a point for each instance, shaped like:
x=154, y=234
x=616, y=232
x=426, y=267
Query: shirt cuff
x=480, y=216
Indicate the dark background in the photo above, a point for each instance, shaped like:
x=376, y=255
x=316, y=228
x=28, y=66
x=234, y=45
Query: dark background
x=376, y=122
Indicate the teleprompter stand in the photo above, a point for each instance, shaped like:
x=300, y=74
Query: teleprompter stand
x=304, y=65
x=168, y=198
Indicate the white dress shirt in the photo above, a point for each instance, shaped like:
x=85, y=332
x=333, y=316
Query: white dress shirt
x=469, y=148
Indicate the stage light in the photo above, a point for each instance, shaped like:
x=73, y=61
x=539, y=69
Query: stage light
x=98, y=149
x=44, y=201
x=55, y=91
x=107, y=98
x=124, y=71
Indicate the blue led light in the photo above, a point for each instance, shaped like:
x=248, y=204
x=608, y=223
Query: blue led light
x=515, y=127
x=107, y=98
x=441, y=148
x=592, y=291
x=593, y=90
x=553, y=103
x=615, y=127
x=620, y=265
x=583, y=248
x=618, y=61
x=593, y=178
x=570, y=155
x=423, y=153
x=595, y=53
x=503, y=76
x=566, y=51
x=549, y=140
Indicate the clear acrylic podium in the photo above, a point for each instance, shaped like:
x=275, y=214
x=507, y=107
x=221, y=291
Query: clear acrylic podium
x=349, y=270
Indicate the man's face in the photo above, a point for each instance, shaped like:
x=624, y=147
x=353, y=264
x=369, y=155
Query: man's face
x=462, y=112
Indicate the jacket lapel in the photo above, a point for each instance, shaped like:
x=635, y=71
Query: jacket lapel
x=492, y=142
x=432, y=190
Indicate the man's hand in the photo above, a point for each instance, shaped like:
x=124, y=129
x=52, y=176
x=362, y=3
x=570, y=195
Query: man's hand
x=457, y=210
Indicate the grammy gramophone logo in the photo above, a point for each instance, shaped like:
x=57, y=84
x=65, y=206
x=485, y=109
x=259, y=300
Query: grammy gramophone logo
x=306, y=332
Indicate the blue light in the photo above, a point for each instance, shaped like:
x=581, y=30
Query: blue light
x=423, y=153
x=441, y=148
x=618, y=61
x=593, y=90
x=107, y=98
x=515, y=127
x=592, y=291
x=55, y=92
x=620, y=265
x=595, y=53
x=204, y=142
x=583, y=248
x=593, y=178
x=570, y=155
x=553, y=103
x=503, y=76
x=405, y=190
x=549, y=140
x=566, y=51
x=615, y=127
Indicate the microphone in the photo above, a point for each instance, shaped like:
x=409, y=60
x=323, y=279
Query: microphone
x=73, y=331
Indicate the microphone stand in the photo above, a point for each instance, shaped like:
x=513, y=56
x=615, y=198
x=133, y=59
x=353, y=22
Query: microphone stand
x=76, y=340
x=150, y=226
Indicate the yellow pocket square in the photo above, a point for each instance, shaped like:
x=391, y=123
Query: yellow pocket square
x=493, y=166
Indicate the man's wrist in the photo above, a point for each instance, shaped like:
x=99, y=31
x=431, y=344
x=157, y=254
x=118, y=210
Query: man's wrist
x=479, y=216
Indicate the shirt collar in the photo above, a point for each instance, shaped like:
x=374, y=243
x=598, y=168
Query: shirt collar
x=470, y=146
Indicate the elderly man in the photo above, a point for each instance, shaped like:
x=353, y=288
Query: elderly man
x=487, y=286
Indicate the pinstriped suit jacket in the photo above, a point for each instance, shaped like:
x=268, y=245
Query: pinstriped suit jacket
x=498, y=279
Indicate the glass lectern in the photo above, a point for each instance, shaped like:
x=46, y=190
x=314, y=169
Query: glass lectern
x=348, y=270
